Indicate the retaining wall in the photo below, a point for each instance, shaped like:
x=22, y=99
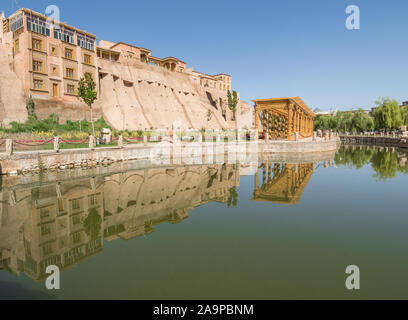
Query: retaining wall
x=36, y=161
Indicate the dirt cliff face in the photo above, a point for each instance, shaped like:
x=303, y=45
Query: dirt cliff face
x=140, y=96
x=12, y=96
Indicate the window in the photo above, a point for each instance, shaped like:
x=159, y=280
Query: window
x=93, y=199
x=75, y=202
x=38, y=25
x=45, y=229
x=54, y=70
x=38, y=84
x=76, y=237
x=44, y=212
x=37, y=66
x=69, y=73
x=16, y=22
x=47, y=249
x=37, y=44
x=16, y=46
x=85, y=42
x=69, y=53
x=71, y=90
x=87, y=59
x=53, y=51
x=65, y=35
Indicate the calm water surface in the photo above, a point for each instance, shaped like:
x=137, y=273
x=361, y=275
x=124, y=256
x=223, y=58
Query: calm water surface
x=263, y=230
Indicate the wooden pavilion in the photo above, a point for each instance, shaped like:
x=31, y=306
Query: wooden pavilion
x=281, y=118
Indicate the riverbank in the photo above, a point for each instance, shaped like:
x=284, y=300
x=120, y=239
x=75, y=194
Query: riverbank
x=37, y=161
x=383, y=141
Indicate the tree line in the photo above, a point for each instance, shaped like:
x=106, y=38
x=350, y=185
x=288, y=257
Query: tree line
x=388, y=115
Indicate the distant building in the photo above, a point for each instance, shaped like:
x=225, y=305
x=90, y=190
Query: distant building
x=318, y=111
x=367, y=111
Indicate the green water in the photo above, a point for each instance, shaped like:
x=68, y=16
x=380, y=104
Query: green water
x=263, y=230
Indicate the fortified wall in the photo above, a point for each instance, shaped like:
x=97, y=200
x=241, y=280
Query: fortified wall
x=136, y=90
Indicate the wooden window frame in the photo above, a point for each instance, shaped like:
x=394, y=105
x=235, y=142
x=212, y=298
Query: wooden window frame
x=67, y=75
x=39, y=63
x=73, y=93
x=87, y=56
x=40, y=42
x=72, y=57
x=38, y=81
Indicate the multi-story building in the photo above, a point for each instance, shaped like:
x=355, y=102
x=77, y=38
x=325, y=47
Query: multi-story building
x=50, y=57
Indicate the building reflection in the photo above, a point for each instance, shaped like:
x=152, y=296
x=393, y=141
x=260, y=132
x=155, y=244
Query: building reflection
x=282, y=182
x=62, y=223
x=66, y=222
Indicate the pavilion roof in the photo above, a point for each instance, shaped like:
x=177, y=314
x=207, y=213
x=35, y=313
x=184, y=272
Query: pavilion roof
x=296, y=100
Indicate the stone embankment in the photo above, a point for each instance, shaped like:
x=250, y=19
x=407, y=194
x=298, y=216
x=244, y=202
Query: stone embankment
x=52, y=160
x=385, y=141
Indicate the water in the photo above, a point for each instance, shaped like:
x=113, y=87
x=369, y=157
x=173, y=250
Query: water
x=211, y=231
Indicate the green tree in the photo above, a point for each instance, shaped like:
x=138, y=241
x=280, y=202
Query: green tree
x=87, y=93
x=387, y=114
x=323, y=122
x=30, y=108
x=232, y=102
x=362, y=121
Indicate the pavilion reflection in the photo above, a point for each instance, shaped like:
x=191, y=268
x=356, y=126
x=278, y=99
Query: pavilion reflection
x=282, y=182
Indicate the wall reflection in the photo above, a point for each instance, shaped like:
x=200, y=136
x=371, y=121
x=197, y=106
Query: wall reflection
x=64, y=222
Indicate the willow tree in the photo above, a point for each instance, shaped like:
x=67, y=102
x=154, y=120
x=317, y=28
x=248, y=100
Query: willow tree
x=362, y=121
x=388, y=114
x=87, y=93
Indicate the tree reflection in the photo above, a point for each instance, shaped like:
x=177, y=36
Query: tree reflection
x=386, y=162
x=92, y=224
x=233, y=197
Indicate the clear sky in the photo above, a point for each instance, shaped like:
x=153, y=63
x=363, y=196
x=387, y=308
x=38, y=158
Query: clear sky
x=272, y=48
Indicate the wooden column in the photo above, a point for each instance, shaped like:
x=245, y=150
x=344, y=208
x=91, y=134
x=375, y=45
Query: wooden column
x=276, y=124
x=290, y=123
x=256, y=119
x=298, y=122
x=264, y=123
x=295, y=127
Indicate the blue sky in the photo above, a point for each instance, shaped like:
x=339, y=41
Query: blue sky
x=272, y=48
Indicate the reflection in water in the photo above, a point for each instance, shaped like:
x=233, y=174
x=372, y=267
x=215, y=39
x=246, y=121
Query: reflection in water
x=386, y=162
x=63, y=223
x=282, y=182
